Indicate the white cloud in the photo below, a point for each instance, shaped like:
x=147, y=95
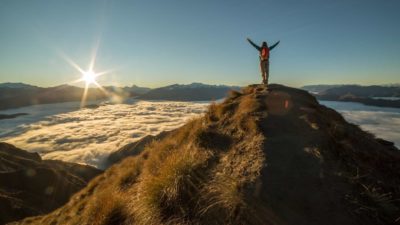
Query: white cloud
x=89, y=135
x=382, y=122
x=384, y=125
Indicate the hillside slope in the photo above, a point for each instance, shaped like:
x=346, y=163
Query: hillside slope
x=31, y=186
x=260, y=157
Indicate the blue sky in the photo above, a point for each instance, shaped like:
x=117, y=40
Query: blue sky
x=155, y=43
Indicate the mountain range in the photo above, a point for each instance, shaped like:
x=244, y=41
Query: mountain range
x=13, y=95
x=358, y=90
x=262, y=156
x=18, y=95
x=374, y=95
x=191, y=92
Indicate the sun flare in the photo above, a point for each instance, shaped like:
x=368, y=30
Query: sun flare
x=89, y=77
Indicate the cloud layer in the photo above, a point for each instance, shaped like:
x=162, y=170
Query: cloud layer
x=382, y=122
x=89, y=135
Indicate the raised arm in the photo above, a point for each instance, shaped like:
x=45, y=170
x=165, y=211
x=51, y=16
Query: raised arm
x=274, y=45
x=254, y=45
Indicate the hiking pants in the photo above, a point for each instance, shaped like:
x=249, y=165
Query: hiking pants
x=264, y=66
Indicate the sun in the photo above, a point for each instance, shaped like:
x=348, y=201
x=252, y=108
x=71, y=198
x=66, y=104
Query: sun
x=89, y=77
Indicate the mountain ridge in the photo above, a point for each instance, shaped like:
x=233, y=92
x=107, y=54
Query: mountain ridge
x=262, y=156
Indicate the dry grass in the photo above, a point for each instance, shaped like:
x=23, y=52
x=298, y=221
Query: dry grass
x=233, y=94
x=169, y=190
x=223, y=195
x=108, y=208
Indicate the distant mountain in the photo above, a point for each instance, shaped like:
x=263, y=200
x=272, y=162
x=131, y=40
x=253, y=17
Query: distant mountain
x=356, y=93
x=261, y=156
x=364, y=91
x=357, y=90
x=189, y=92
x=131, y=91
x=11, y=116
x=10, y=90
x=30, y=186
x=319, y=87
x=12, y=96
x=137, y=89
x=17, y=85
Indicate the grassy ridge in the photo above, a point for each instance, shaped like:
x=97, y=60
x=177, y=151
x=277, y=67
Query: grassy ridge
x=259, y=157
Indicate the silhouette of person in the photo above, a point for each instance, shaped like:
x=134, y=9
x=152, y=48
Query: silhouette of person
x=264, y=58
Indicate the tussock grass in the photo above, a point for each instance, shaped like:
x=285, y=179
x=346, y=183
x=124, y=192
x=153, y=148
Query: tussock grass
x=171, y=189
x=108, y=208
x=233, y=94
x=224, y=194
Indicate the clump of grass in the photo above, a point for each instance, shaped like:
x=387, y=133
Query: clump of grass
x=249, y=89
x=233, y=94
x=223, y=195
x=171, y=189
x=108, y=209
x=130, y=171
x=213, y=112
x=247, y=104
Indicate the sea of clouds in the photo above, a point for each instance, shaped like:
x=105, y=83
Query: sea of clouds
x=382, y=122
x=89, y=135
x=65, y=132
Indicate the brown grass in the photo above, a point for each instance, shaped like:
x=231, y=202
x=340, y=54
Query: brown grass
x=108, y=208
x=169, y=190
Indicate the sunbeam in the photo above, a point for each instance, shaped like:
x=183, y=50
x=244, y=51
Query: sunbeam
x=83, y=100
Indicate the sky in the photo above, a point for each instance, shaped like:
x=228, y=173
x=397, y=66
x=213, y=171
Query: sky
x=156, y=43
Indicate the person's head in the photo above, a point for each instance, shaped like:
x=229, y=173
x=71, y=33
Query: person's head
x=264, y=44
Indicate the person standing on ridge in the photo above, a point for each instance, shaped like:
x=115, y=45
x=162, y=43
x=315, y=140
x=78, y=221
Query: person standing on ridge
x=264, y=58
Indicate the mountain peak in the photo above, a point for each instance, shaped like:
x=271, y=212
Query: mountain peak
x=263, y=156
